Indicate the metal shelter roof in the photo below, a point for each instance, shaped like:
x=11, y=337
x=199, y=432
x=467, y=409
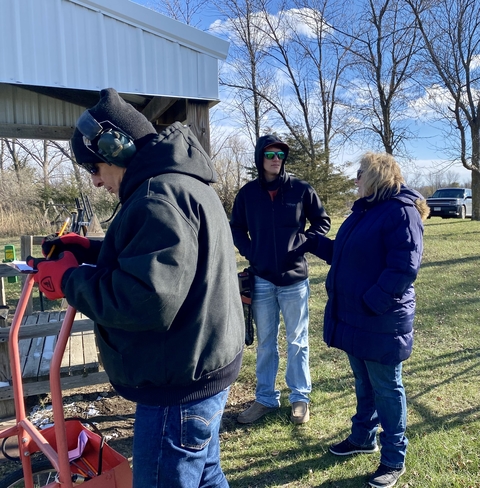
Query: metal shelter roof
x=55, y=56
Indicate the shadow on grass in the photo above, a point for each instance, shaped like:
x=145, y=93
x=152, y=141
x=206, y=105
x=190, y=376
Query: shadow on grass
x=451, y=262
x=282, y=467
x=289, y=474
x=454, y=367
x=450, y=221
x=272, y=466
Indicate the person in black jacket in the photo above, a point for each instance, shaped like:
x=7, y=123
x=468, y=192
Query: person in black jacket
x=268, y=223
x=164, y=291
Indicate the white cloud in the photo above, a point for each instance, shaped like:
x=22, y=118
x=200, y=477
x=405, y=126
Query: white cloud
x=475, y=62
x=435, y=97
x=286, y=23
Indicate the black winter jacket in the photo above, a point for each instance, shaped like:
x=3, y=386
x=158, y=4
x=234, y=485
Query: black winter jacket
x=265, y=231
x=164, y=294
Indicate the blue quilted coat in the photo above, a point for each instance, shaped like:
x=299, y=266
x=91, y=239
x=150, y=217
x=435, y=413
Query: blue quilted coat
x=374, y=261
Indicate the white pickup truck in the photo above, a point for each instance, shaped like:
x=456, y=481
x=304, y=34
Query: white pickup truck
x=451, y=202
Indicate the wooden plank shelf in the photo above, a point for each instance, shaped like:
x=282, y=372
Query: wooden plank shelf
x=37, y=339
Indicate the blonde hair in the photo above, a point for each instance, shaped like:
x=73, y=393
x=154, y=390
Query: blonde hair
x=381, y=175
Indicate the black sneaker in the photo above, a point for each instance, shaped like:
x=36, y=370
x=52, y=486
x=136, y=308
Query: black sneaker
x=385, y=476
x=345, y=448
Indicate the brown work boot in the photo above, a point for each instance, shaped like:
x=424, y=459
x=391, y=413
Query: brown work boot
x=254, y=412
x=300, y=413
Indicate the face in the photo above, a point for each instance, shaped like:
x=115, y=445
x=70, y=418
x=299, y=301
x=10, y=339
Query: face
x=109, y=176
x=359, y=183
x=272, y=167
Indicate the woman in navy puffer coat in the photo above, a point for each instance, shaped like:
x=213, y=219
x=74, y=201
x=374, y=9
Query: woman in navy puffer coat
x=374, y=261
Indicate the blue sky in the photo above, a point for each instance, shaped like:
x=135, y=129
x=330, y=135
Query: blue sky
x=426, y=158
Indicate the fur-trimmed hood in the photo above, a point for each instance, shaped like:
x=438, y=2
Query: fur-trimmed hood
x=408, y=195
x=423, y=208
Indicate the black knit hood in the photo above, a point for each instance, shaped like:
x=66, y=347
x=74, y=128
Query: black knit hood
x=174, y=150
x=264, y=142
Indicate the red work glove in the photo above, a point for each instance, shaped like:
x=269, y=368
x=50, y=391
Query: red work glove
x=50, y=273
x=84, y=250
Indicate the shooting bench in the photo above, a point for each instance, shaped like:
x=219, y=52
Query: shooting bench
x=37, y=338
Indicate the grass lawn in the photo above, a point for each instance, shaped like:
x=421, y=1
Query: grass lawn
x=441, y=380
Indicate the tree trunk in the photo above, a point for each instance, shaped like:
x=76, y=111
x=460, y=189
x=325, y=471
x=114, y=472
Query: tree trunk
x=475, y=195
x=475, y=162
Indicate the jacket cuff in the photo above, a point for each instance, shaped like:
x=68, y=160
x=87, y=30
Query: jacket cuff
x=324, y=249
x=65, y=277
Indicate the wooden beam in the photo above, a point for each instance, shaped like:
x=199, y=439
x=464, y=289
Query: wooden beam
x=29, y=331
x=157, y=107
x=175, y=112
x=68, y=382
x=26, y=249
x=26, y=131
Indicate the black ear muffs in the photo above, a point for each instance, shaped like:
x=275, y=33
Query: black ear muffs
x=116, y=147
x=107, y=141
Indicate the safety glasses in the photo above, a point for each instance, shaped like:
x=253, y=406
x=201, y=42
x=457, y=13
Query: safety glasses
x=92, y=168
x=272, y=154
x=91, y=131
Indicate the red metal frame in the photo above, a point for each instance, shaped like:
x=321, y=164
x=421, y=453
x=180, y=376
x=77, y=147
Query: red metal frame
x=30, y=439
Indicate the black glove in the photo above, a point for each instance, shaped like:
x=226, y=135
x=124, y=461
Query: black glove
x=84, y=250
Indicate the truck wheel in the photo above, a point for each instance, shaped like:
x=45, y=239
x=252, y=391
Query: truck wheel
x=463, y=213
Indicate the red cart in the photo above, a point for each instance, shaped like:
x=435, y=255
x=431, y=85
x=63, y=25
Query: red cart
x=73, y=454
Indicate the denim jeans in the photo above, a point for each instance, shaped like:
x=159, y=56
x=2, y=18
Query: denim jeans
x=178, y=447
x=380, y=400
x=292, y=301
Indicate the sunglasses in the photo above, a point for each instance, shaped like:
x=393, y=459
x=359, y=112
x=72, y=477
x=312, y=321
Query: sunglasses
x=272, y=154
x=359, y=174
x=92, y=168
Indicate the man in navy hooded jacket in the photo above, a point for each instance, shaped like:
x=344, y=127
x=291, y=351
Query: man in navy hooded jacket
x=268, y=223
x=164, y=291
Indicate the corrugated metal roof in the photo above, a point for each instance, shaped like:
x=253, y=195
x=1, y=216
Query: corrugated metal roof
x=92, y=44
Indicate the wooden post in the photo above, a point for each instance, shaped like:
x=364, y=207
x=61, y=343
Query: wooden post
x=7, y=407
x=198, y=121
x=3, y=298
x=26, y=247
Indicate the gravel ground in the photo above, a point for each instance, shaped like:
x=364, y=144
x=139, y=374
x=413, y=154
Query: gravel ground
x=112, y=415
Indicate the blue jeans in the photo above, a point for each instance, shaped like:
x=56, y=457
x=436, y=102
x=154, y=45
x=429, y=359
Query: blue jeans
x=292, y=301
x=178, y=447
x=380, y=400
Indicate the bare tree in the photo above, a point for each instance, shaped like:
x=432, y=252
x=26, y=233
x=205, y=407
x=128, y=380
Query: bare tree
x=66, y=150
x=245, y=75
x=312, y=63
x=186, y=11
x=286, y=69
x=329, y=52
x=231, y=163
x=383, y=77
x=18, y=160
x=2, y=155
x=450, y=31
x=48, y=162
